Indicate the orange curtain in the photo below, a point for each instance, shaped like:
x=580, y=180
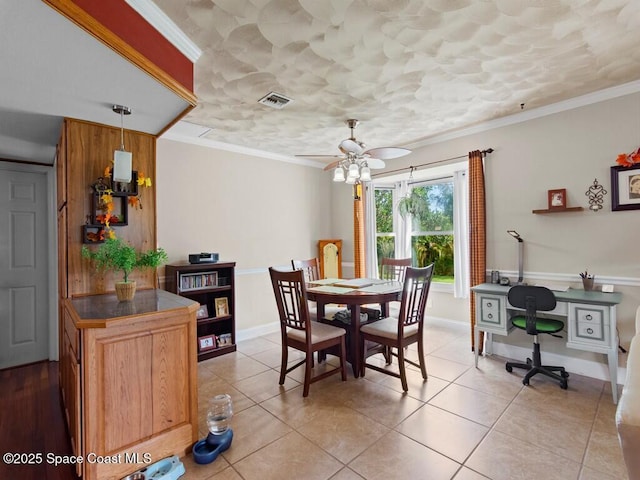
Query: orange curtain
x=477, y=232
x=358, y=232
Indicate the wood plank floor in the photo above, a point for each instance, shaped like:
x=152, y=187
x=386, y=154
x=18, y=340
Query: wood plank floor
x=32, y=421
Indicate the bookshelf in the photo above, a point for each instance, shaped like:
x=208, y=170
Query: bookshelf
x=212, y=285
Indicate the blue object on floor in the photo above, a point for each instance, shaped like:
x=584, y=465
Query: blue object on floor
x=170, y=468
x=207, y=450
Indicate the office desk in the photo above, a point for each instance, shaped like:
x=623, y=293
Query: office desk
x=590, y=320
x=354, y=299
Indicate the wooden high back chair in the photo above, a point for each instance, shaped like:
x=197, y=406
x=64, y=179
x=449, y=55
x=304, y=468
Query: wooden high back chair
x=299, y=332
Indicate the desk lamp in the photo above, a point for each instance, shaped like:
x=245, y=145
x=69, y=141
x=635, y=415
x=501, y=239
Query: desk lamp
x=517, y=236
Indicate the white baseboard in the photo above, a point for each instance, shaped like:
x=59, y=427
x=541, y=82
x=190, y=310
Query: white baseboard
x=254, y=332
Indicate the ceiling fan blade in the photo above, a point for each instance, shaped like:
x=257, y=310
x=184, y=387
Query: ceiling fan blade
x=332, y=165
x=375, y=163
x=387, y=153
x=321, y=156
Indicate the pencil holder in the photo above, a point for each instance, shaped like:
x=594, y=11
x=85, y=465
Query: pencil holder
x=587, y=283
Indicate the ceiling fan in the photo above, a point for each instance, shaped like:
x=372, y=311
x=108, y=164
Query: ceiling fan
x=356, y=161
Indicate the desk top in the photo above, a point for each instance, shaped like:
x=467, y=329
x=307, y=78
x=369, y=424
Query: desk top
x=571, y=295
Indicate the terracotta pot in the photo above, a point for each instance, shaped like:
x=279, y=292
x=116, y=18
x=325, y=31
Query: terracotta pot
x=125, y=291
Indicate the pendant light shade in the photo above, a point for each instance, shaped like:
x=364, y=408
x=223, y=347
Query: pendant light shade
x=122, y=160
x=338, y=174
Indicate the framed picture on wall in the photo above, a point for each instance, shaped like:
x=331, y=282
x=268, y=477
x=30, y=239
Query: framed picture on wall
x=625, y=188
x=557, y=198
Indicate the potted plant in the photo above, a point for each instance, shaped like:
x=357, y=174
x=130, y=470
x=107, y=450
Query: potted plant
x=117, y=255
x=413, y=205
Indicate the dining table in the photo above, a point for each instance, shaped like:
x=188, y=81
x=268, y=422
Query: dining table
x=354, y=294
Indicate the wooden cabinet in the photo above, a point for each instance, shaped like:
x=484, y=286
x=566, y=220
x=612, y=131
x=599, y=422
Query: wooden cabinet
x=212, y=285
x=129, y=380
x=330, y=258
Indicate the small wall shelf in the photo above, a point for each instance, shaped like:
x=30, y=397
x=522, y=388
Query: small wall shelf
x=559, y=210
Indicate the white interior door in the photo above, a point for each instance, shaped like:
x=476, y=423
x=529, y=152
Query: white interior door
x=24, y=267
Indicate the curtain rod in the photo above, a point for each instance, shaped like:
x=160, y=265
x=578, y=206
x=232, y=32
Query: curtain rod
x=415, y=167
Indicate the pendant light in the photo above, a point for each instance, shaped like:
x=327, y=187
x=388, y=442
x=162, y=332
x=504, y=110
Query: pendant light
x=122, y=161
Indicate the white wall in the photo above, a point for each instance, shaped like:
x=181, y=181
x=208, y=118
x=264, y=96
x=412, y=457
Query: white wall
x=563, y=150
x=254, y=211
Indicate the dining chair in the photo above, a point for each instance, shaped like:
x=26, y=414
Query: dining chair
x=311, y=269
x=395, y=333
x=394, y=268
x=299, y=332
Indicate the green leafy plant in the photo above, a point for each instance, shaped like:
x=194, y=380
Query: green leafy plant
x=413, y=205
x=118, y=256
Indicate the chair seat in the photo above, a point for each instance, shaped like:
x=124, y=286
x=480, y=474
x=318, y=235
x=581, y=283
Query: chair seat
x=543, y=325
x=319, y=333
x=388, y=328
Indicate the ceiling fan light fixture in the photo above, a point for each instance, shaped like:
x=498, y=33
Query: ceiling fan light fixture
x=338, y=174
x=351, y=180
x=354, y=171
x=365, y=173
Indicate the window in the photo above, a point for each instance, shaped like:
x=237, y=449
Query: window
x=436, y=232
x=385, y=234
x=432, y=229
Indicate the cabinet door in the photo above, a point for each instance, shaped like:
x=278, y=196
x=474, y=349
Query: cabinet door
x=330, y=258
x=70, y=385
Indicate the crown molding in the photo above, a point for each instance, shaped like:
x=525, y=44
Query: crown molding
x=204, y=142
x=165, y=26
x=570, y=104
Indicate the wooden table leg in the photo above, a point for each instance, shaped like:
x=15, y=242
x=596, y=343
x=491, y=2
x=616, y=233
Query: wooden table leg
x=355, y=339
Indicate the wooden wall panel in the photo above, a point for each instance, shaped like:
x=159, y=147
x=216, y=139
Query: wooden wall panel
x=89, y=150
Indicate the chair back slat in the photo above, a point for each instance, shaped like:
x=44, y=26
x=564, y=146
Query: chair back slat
x=309, y=267
x=291, y=297
x=394, y=268
x=414, y=295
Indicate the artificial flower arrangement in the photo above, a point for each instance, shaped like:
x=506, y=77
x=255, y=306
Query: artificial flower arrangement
x=106, y=204
x=628, y=159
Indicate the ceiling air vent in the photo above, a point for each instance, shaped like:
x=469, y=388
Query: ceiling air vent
x=275, y=100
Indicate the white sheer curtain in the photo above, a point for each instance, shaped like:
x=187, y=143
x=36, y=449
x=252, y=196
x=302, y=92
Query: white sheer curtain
x=403, y=229
x=461, y=234
x=370, y=244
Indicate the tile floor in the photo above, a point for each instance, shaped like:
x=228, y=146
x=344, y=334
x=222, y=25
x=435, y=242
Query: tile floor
x=463, y=423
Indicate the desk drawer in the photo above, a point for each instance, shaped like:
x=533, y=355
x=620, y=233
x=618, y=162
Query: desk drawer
x=491, y=313
x=590, y=330
x=589, y=324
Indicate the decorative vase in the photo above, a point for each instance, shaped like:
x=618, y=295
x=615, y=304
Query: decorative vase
x=125, y=291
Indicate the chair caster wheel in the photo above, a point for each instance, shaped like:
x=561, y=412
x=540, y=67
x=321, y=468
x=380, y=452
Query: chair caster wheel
x=564, y=374
x=564, y=384
x=525, y=381
x=509, y=368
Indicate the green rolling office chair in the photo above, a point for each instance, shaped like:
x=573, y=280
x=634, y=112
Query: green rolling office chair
x=533, y=300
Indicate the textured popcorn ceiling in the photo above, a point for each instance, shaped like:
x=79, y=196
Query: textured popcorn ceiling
x=407, y=69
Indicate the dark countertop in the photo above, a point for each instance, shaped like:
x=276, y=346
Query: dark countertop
x=95, y=311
